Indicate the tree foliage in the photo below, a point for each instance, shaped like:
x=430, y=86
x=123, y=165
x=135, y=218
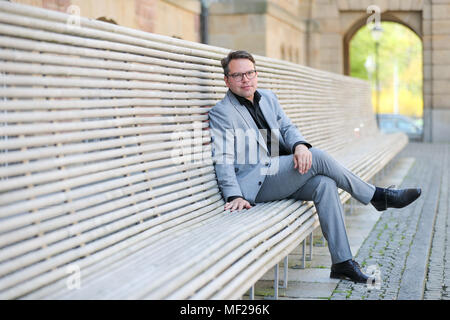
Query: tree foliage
x=398, y=46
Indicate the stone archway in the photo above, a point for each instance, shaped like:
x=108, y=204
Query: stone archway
x=429, y=20
x=322, y=30
x=415, y=26
x=352, y=21
x=339, y=20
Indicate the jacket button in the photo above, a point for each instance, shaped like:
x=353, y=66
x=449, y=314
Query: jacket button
x=259, y=183
x=266, y=164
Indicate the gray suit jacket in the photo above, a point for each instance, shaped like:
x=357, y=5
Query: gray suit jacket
x=240, y=154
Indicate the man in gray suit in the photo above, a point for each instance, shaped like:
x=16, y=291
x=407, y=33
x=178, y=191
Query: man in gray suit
x=259, y=156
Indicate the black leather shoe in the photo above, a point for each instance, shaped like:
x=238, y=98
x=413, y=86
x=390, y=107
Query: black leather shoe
x=393, y=198
x=349, y=269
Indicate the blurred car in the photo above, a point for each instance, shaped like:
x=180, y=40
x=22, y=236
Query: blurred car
x=390, y=123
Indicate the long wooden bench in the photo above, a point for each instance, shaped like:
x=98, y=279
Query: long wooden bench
x=108, y=189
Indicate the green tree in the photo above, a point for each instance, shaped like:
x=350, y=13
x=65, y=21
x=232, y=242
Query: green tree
x=398, y=46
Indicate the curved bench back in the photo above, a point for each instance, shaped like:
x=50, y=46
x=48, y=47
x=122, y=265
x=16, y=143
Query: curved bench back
x=104, y=136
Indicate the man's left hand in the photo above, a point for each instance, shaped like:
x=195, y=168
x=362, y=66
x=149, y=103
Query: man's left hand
x=302, y=158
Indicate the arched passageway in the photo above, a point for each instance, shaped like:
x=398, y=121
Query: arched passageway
x=393, y=64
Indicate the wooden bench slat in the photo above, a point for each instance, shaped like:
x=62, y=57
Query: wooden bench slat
x=125, y=240
x=74, y=200
x=219, y=242
x=76, y=205
x=77, y=251
x=63, y=239
x=85, y=170
x=36, y=104
x=101, y=176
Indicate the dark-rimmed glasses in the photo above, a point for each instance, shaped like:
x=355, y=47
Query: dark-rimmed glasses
x=239, y=76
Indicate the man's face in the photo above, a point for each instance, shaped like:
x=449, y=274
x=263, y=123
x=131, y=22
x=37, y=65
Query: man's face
x=241, y=86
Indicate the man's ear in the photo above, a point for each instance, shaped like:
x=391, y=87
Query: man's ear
x=225, y=78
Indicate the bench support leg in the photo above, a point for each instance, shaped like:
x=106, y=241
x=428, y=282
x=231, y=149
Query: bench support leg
x=322, y=242
x=349, y=205
x=275, y=283
x=286, y=270
x=251, y=293
x=303, y=254
x=310, y=247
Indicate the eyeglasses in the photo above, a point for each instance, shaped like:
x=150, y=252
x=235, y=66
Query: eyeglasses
x=239, y=76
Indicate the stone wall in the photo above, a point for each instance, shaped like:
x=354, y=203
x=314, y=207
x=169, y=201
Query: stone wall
x=436, y=25
x=174, y=18
x=269, y=28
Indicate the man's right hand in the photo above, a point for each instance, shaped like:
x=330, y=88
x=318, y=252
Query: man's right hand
x=237, y=204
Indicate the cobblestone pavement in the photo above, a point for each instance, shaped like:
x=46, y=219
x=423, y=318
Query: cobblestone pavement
x=408, y=249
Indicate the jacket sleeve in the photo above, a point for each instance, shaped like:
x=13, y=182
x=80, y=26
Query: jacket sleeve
x=222, y=137
x=288, y=130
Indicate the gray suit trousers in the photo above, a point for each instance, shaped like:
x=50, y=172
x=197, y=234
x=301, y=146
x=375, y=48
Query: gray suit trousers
x=319, y=185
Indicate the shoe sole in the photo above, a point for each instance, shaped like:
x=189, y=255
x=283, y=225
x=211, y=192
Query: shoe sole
x=343, y=277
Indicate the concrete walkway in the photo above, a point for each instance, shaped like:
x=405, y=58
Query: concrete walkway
x=406, y=249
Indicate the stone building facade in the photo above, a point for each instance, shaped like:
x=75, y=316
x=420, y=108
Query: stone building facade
x=315, y=33
x=174, y=18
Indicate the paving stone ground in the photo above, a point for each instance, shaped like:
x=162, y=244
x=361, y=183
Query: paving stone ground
x=410, y=246
x=407, y=249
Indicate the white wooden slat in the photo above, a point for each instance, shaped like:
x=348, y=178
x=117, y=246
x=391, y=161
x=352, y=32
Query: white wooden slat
x=116, y=42
x=100, y=93
x=282, y=248
x=57, y=56
x=218, y=241
x=62, y=138
x=92, y=69
x=207, y=274
x=121, y=168
x=130, y=236
x=255, y=253
x=77, y=148
x=113, y=60
x=58, y=217
x=38, y=116
x=76, y=171
x=79, y=198
x=166, y=83
x=39, y=104
x=92, y=218
x=176, y=145
x=104, y=259
x=93, y=237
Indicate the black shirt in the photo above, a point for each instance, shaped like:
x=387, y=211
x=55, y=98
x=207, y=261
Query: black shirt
x=261, y=123
x=258, y=117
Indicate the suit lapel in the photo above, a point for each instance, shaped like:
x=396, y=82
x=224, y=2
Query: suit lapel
x=247, y=117
x=267, y=112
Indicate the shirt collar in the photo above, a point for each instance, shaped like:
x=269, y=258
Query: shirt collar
x=245, y=101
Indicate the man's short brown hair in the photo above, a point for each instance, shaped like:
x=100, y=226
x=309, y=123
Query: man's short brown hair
x=239, y=54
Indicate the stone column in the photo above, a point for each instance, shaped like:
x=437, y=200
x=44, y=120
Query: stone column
x=327, y=17
x=269, y=28
x=436, y=25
